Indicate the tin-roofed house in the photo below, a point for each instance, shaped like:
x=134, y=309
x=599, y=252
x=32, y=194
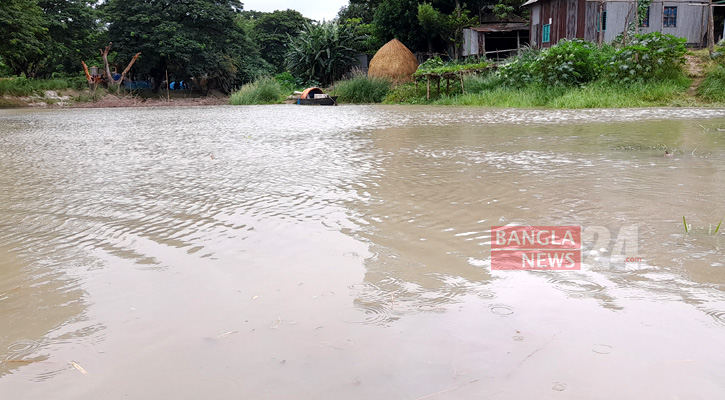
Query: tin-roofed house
x=495, y=38
x=594, y=20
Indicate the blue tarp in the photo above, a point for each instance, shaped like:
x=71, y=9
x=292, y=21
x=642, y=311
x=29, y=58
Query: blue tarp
x=133, y=85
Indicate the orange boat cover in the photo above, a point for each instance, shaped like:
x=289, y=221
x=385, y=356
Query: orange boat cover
x=309, y=92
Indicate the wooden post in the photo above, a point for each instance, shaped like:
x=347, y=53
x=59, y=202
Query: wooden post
x=518, y=42
x=168, y=86
x=600, y=36
x=636, y=16
x=710, y=28
x=463, y=90
x=427, y=90
x=448, y=85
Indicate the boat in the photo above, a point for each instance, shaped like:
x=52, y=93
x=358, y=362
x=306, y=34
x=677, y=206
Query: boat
x=314, y=96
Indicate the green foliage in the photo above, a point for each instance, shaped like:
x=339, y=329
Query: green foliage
x=364, y=10
x=648, y=57
x=272, y=31
x=570, y=62
x=598, y=95
x=398, y=19
x=193, y=38
x=22, y=33
x=575, y=62
x=369, y=43
x=26, y=87
x=362, y=89
x=519, y=72
x=261, y=91
x=436, y=66
x=74, y=34
x=432, y=22
x=713, y=87
x=323, y=52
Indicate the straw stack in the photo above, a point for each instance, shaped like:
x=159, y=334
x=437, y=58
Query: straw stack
x=393, y=61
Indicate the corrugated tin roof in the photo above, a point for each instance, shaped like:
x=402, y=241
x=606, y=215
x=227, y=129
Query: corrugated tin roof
x=502, y=27
x=529, y=3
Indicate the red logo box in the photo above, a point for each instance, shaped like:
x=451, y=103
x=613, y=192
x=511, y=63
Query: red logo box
x=537, y=248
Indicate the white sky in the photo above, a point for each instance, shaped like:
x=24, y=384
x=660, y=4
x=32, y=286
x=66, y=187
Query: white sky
x=314, y=9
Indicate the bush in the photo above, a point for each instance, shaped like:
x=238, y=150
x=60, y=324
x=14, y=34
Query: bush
x=261, y=91
x=362, y=89
x=518, y=73
x=652, y=56
x=569, y=63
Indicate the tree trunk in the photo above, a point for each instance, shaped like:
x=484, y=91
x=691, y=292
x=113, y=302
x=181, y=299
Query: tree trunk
x=109, y=77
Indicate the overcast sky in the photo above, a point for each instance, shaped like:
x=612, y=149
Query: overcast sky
x=315, y=9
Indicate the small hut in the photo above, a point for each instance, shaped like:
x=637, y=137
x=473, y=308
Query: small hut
x=393, y=61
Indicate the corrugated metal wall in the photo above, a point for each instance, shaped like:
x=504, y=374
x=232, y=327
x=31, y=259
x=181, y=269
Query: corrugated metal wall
x=578, y=18
x=691, y=20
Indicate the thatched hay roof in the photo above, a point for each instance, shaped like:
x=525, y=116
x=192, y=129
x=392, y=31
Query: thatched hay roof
x=393, y=61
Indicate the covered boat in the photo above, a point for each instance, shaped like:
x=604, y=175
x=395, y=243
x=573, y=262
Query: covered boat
x=315, y=96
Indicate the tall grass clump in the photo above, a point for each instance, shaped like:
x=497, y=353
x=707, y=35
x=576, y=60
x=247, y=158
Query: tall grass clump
x=713, y=87
x=261, y=91
x=362, y=89
x=26, y=87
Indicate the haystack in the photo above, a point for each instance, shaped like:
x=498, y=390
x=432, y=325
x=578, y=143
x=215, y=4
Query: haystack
x=393, y=61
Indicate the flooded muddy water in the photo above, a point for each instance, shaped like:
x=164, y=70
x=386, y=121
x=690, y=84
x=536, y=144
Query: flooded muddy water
x=279, y=252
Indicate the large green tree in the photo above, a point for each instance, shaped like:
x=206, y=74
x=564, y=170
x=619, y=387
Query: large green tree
x=22, y=33
x=272, y=32
x=74, y=28
x=190, y=38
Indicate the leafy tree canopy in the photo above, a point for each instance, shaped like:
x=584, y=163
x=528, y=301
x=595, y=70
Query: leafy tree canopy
x=272, y=32
x=193, y=38
x=22, y=32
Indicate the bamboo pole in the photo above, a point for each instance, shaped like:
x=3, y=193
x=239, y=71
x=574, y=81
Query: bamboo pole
x=710, y=28
x=463, y=90
x=427, y=90
x=168, y=86
x=600, y=36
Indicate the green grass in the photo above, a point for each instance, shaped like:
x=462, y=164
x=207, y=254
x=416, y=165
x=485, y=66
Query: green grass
x=261, y=91
x=362, y=89
x=27, y=87
x=482, y=91
x=713, y=87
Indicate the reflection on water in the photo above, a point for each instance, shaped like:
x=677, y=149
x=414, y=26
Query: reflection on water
x=272, y=252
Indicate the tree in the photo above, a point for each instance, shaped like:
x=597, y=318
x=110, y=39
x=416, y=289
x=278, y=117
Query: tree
x=74, y=29
x=323, y=52
x=364, y=10
x=272, y=32
x=22, y=32
x=398, y=19
x=432, y=22
x=193, y=38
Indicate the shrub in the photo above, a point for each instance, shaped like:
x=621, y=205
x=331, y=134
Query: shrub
x=323, y=52
x=518, y=73
x=648, y=57
x=569, y=63
x=261, y=91
x=362, y=89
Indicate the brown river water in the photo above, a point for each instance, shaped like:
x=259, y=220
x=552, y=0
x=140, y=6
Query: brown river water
x=286, y=252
